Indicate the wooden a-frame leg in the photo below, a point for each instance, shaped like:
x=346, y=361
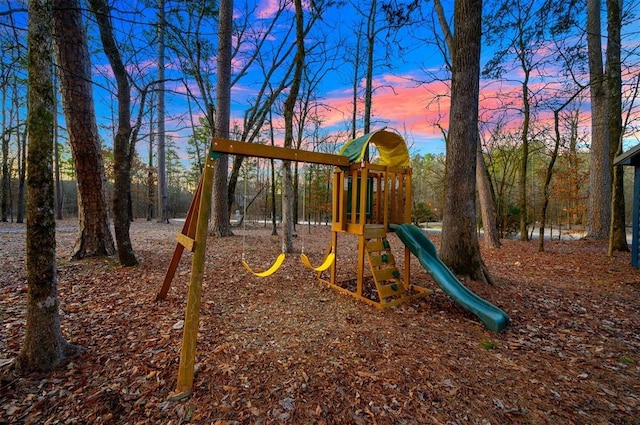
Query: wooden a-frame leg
x=192, y=314
x=188, y=229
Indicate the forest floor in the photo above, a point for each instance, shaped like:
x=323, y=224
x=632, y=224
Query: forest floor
x=288, y=349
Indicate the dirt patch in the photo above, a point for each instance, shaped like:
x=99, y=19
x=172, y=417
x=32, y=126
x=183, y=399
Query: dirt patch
x=287, y=349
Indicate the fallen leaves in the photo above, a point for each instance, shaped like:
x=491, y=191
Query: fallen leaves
x=289, y=350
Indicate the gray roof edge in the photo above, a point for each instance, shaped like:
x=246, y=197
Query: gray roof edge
x=626, y=158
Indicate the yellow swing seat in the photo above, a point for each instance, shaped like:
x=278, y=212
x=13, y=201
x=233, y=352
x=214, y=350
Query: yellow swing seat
x=328, y=261
x=271, y=270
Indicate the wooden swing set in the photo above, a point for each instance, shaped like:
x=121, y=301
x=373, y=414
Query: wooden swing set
x=366, y=199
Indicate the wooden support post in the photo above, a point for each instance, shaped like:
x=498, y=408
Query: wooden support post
x=362, y=247
x=334, y=266
x=407, y=219
x=192, y=314
x=189, y=230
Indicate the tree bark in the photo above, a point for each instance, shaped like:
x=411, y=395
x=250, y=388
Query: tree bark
x=22, y=174
x=221, y=225
x=599, y=206
x=483, y=180
x=56, y=152
x=368, y=90
x=163, y=190
x=289, y=104
x=4, y=195
x=460, y=249
x=524, y=158
x=151, y=192
x=123, y=146
x=44, y=346
x=617, y=231
x=485, y=198
x=72, y=53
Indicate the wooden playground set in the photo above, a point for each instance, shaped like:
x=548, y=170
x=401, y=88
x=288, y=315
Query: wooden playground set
x=368, y=201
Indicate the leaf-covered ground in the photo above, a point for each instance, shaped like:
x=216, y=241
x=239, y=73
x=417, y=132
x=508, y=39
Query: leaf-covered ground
x=287, y=349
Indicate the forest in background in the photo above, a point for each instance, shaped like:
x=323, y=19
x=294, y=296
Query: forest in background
x=536, y=56
x=571, y=346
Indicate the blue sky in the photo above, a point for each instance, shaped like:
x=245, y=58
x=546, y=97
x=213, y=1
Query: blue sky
x=410, y=85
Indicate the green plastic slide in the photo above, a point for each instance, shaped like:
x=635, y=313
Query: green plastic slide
x=493, y=318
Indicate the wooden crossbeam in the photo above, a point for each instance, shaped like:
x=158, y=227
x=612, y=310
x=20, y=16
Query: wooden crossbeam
x=275, y=152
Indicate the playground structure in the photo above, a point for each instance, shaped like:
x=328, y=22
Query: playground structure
x=369, y=200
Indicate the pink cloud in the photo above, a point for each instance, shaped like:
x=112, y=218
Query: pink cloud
x=268, y=8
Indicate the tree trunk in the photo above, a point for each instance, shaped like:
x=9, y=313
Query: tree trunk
x=274, y=221
x=460, y=249
x=44, y=346
x=485, y=198
x=221, y=224
x=72, y=53
x=617, y=231
x=524, y=159
x=547, y=181
x=122, y=143
x=289, y=105
x=355, y=85
x=599, y=206
x=163, y=190
x=233, y=181
x=56, y=152
x=483, y=180
x=22, y=174
x=151, y=192
x=368, y=90
x=4, y=184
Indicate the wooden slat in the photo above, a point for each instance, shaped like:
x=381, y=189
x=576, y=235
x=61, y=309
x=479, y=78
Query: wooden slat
x=276, y=152
x=188, y=243
x=375, y=245
x=386, y=291
x=375, y=231
x=376, y=260
x=382, y=275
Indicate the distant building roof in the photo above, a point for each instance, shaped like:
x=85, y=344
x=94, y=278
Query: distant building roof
x=630, y=157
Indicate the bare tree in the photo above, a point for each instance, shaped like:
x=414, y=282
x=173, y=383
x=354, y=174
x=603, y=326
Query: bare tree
x=519, y=31
x=289, y=106
x=163, y=211
x=123, y=144
x=460, y=249
x=599, y=207
x=72, y=52
x=220, y=219
x=483, y=181
x=44, y=347
x=617, y=230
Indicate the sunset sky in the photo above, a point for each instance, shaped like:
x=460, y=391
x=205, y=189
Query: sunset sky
x=408, y=96
x=410, y=86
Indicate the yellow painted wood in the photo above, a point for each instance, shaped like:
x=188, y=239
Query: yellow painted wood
x=189, y=229
x=408, y=197
x=382, y=275
x=375, y=231
x=360, y=264
x=376, y=260
x=386, y=291
x=376, y=245
x=363, y=195
x=192, y=313
x=276, y=152
x=186, y=241
x=339, y=206
x=334, y=266
x=355, y=229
